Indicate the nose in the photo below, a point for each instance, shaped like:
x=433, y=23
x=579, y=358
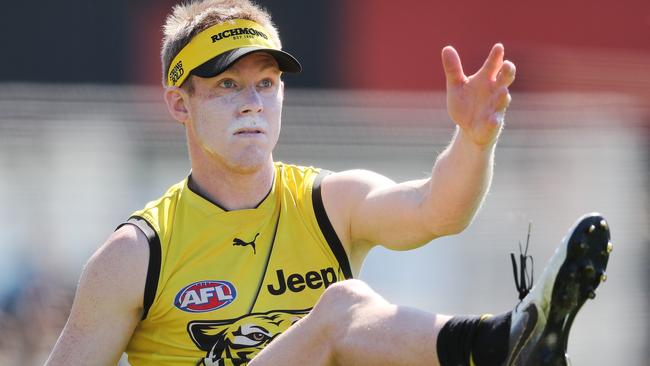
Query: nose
x=251, y=102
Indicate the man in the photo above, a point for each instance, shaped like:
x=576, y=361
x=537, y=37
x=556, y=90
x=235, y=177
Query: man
x=243, y=262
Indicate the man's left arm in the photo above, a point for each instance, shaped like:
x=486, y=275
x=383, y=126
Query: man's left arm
x=369, y=208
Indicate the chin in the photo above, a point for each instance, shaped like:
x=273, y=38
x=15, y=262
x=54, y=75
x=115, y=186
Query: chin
x=250, y=162
x=246, y=168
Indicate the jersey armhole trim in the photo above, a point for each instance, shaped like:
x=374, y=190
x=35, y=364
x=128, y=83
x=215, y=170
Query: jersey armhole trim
x=326, y=226
x=155, y=257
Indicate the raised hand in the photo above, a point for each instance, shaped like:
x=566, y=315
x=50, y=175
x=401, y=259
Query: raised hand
x=477, y=104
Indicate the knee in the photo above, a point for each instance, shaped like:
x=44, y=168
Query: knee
x=346, y=294
x=343, y=309
x=339, y=304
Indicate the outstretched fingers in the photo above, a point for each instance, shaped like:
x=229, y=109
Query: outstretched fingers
x=453, y=67
x=493, y=62
x=478, y=103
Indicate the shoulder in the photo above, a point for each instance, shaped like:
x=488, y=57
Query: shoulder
x=353, y=183
x=343, y=192
x=126, y=249
x=119, y=266
x=127, y=246
x=342, y=195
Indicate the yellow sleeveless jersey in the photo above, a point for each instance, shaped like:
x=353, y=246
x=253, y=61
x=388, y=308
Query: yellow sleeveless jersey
x=222, y=284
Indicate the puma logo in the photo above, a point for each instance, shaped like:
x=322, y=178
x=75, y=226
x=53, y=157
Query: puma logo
x=241, y=243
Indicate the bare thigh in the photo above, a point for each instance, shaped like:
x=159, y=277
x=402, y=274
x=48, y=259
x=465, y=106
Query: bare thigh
x=353, y=325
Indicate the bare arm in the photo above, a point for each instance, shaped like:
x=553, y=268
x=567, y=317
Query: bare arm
x=108, y=303
x=369, y=209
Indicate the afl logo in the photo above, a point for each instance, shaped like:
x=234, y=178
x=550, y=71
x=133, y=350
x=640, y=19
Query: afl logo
x=203, y=296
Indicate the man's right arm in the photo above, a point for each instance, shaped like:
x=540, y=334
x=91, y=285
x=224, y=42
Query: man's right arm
x=108, y=303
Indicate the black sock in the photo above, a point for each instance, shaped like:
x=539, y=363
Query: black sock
x=462, y=337
x=490, y=345
x=454, y=344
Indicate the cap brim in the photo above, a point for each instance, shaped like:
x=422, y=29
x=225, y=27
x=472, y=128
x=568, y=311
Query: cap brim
x=220, y=63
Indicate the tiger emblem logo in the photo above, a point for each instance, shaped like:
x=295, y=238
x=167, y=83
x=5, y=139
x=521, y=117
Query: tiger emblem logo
x=237, y=341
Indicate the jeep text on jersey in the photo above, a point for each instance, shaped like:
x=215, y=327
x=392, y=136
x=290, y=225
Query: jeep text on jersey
x=297, y=282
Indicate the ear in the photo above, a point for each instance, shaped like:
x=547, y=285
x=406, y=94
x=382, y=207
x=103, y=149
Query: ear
x=176, y=100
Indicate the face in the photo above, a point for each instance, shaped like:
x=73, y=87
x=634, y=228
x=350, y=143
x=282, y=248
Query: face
x=235, y=117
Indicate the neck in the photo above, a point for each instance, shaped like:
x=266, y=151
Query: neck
x=232, y=190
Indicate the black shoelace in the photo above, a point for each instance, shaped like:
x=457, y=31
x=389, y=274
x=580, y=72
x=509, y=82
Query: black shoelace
x=523, y=281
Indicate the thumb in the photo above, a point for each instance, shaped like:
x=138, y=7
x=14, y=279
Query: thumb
x=452, y=66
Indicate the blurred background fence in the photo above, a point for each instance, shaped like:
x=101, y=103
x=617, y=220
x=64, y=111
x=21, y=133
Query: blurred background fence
x=85, y=140
x=77, y=160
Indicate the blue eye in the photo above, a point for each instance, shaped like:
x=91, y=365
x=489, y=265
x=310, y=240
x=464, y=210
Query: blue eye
x=227, y=83
x=266, y=83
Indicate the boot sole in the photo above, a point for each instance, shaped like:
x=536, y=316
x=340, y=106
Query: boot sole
x=588, y=250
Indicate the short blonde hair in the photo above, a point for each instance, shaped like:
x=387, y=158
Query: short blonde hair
x=190, y=18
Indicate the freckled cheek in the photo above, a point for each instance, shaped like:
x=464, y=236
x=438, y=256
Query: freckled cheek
x=212, y=127
x=273, y=112
x=211, y=137
x=228, y=100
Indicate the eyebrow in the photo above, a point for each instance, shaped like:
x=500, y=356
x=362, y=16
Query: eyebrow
x=269, y=65
x=269, y=62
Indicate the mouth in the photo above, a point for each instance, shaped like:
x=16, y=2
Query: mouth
x=249, y=131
